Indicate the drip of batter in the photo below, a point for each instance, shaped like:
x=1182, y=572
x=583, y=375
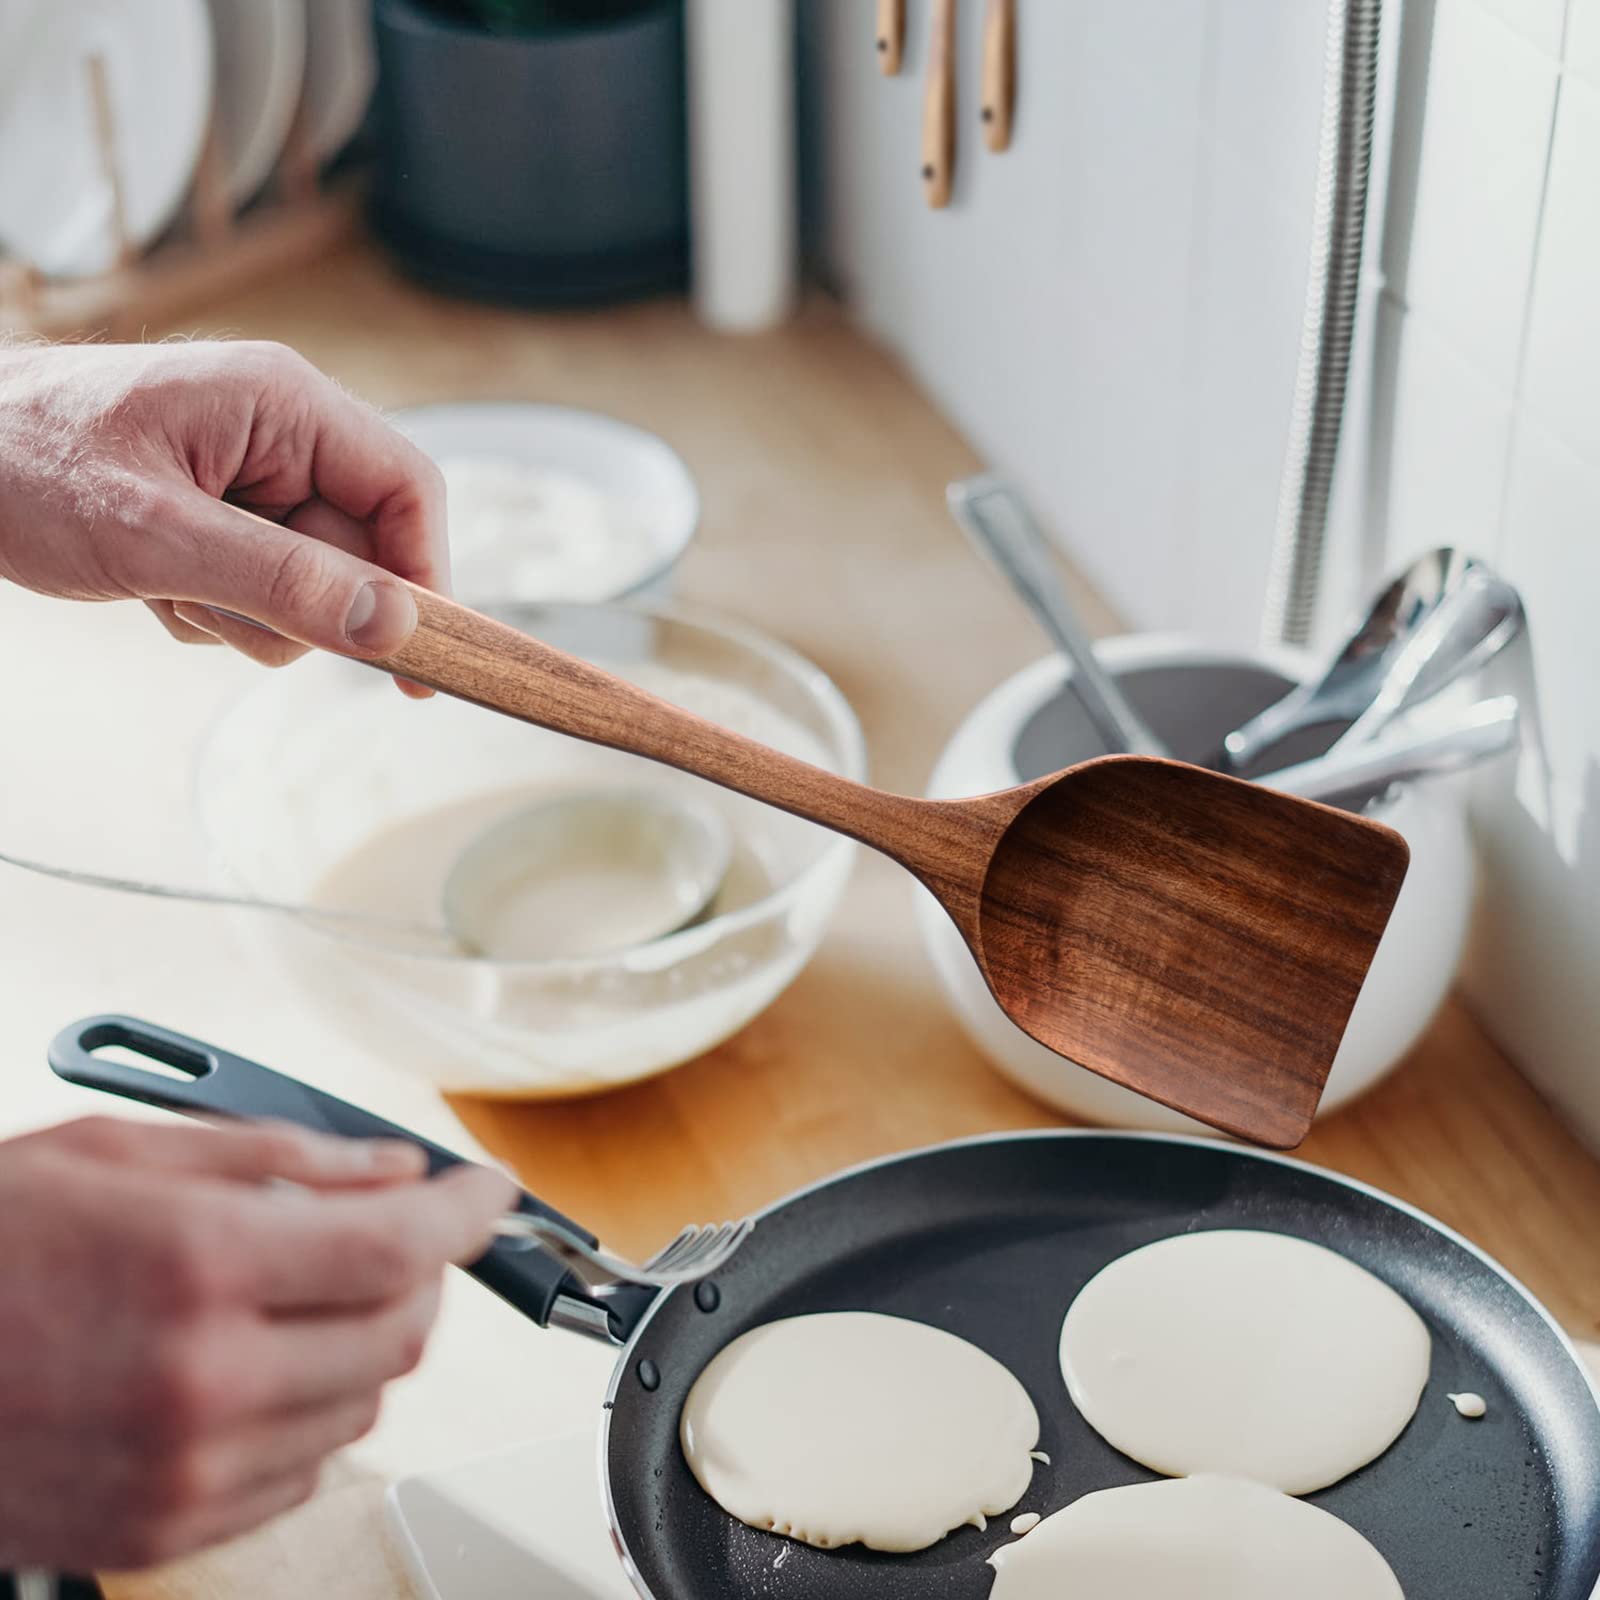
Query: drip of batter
x=1470, y=1405
x=1250, y=1354
x=853, y=1427
x=1204, y=1538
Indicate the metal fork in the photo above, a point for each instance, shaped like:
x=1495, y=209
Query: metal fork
x=696, y=1253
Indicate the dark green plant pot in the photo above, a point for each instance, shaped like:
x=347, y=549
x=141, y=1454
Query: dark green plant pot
x=546, y=166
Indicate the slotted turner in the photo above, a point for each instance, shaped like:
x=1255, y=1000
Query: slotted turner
x=1191, y=936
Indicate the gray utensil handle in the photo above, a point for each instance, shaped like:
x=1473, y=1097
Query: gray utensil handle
x=997, y=521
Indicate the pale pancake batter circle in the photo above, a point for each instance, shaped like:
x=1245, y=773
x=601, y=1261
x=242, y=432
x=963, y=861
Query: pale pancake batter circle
x=1249, y=1354
x=1203, y=1538
x=853, y=1427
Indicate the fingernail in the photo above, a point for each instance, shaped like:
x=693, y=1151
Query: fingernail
x=382, y=617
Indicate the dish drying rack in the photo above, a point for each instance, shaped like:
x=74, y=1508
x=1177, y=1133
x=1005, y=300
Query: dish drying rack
x=211, y=250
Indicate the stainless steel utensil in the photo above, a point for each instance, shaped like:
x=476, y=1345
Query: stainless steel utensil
x=1476, y=619
x=994, y=517
x=696, y=1253
x=1397, y=655
x=1486, y=729
x=694, y=843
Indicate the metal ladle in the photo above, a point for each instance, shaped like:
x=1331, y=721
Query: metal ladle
x=651, y=829
x=1441, y=619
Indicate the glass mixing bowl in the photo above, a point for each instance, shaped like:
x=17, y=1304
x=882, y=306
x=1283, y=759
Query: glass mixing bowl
x=314, y=763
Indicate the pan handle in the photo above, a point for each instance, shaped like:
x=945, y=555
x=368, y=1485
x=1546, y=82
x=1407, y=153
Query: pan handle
x=204, y=1081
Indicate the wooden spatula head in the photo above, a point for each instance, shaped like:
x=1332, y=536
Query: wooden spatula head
x=1196, y=938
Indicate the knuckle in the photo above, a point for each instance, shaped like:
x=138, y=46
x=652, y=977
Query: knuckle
x=391, y=1264
x=411, y=1338
x=186, y=1392
x=299, y=579
x=130, y=527
x=193, y=1269
x=410, y=1346
x=176, y=1486
x=362, y=1420
x=269, y=358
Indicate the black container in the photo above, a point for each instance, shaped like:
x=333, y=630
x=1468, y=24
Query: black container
x=544, y=167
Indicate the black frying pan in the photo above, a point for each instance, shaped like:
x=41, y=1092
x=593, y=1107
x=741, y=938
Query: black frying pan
x=991, y=1238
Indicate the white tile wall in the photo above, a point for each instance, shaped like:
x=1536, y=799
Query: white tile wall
x=1490, y=100
x=1269, y=60
x=1533, y=969
x=1047, y=309
x=1561, y=383
x=1551, y=551
x=1494, y=389
x=1450, y=433
x=1583, y=40
x=1540, y=22
x=1060, y=308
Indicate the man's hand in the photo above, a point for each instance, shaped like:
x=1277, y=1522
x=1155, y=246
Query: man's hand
x=183, y=1341
x=132, y=471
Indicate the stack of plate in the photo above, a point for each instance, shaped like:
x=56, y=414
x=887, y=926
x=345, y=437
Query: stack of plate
x=170, y=66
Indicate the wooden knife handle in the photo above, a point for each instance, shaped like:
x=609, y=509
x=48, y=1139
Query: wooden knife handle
x=939, y=108
x=891, y=36
x=999, y=72
x=475, y=658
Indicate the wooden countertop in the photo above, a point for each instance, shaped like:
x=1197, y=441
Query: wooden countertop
x=823, y=472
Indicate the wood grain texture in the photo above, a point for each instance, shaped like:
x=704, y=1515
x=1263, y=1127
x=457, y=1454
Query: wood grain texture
x=1196, y=938
x=939, y=108
x=890, y=36
x=997, y=106
x=815, y=455
x=1200, y=940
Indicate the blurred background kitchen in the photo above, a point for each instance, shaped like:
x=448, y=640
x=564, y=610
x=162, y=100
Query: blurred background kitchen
x=1265, y=309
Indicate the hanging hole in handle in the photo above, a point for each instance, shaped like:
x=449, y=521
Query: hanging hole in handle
x=165, y=1058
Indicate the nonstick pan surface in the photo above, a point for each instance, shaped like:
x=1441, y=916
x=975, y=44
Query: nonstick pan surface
x=992, y=1238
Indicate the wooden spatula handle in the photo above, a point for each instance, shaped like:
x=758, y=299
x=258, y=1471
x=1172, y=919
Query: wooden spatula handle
x=890, y=38
x=475, y=658
x=939, y=108
x=999, y=72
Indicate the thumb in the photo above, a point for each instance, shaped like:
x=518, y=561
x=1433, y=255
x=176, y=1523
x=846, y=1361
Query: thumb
x=290, y=582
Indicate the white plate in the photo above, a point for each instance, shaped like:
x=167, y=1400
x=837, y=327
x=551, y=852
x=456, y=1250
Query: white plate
x=341, y=70
x=55, y=200
x=260, y=63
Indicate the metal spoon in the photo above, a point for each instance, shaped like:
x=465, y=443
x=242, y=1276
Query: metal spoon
x=1396, y=648
x=687, y=841
x=994, y=517
x=1481, y=731
x=1473, y=622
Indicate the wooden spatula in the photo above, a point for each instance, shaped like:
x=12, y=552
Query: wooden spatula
x=1191, y=936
